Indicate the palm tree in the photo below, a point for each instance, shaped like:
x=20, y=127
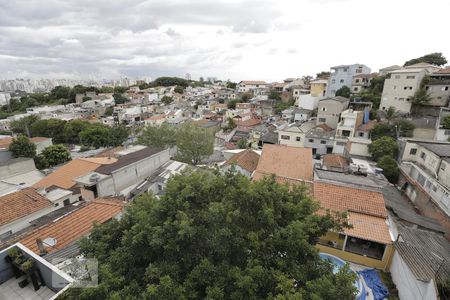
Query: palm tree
x=390, y=114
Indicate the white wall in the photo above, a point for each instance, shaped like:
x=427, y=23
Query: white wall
x=409, y=288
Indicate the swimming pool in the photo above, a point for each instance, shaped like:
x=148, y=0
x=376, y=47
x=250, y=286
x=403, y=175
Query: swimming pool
x=339, y=263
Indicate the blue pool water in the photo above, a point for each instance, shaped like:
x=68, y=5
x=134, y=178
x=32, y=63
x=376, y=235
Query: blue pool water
x=339, y=263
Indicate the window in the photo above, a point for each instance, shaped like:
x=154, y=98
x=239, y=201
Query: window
x=410, y=77
x=427, y=88
x=423, y=156
x=333, y=81
x=323, y=120
x=355, y=89
x=397, y=76
x=434, y=188
x=356, y=80
x=297, y=139
x=324, y=109
x=311, y=140
x=285, y=137
x=66, y=202
x=323, y=142
x=405, y=88
x=413, y=151
x=361, y=134
x=445, y=88
x=401, y=99
x=443, y=166
x=341, y=81
x=345, y=69
x=447, y=132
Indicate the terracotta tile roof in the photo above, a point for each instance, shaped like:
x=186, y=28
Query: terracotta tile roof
x=325, y=127
x=247, y=159
x=5, y=142
x=445, y=70
x=342, y=199
x=249, y=123
x=335, y=161
x=20, y=204
x=369, y=228
x=110, y=152
x=289, y=163
x=63, y=177
x=253, y=82
x=100, y=160
x=368, y=126
x=75, y=225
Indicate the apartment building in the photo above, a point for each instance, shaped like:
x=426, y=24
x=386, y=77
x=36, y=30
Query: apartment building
x=438, y=86
x=343, y=76
x=329, y=110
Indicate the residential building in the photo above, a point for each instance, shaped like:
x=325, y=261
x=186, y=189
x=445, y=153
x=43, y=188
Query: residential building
x=318, y=87
x=362, y=81
x=122, y=176
x=425, y=177
x=308, y=101
x=289, y=165
x=388, y=70
x=400, y=88
x=244, y=162
x=357, y=147
x=438, y=86
x=294, y=134
x=330, y=109
x=442, y=134
x=155, y=120
x=369, y=241
x=343, y=76
x=320, y=139
x=350, y=120
x=248, y=86
x=301, y=114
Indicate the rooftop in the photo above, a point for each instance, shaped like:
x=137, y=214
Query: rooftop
x=335, y=161
x=337, y=98
x=19, y=204
x=441, y=149
x=287, y=163
x=247, y=159
x=74, y=225
x=444, y=71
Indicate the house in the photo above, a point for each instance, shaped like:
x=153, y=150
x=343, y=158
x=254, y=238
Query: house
x=245, y=162
x=343, y=76
x=20, y=208
x=155, y=120
x=291, y=165
x=248, y=86
x=399, y=89
x=308, y=101
x=442, y=133
x=335, y=162
x=121, y=176
x=301, y=115
x=388, y=70
x=357, y=147
x=40, y=142
x=350, y=120
x=369, y=241
x=18, y=173
x=294, y=134
x=330, y=109
x=420, y=261
x=318, y=87
x=425, y=177
x=364, y=130
x=362, y=81
x=320, y=139
x=438, y=86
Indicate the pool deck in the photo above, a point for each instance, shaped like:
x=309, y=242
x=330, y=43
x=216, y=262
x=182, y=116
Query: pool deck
x=356, y=268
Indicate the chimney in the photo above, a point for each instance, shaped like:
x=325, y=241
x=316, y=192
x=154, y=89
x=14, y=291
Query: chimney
x=41, y=247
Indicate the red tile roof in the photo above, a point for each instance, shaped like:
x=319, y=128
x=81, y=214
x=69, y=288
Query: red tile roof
x=75, y=225
x=445, y=70
x=287, y=163
x=368, y=126
x=335, y=161
x=21, y=204
x=369, y=228
x=247, y=159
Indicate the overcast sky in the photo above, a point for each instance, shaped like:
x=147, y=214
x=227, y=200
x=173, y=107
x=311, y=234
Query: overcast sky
x=237, y=39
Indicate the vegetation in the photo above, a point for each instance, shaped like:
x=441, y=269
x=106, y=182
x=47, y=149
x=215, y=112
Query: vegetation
x=323, y=74
x=446, y=122
x=421, y=97
x=390, y=114
x=119, y=98
x=166, y=100
x=246, y=97
x=22, y=147
x=231, y=124
x=231, y=85
x=385, y=145
x=344, y=92
x=179, y=89
x=95, y=136
x=275, y=95
x=159, y=137
x=216, y=236
x=242, y=144
x=374, y=91
x=232, y=104
x=280, y=106
x=390, y=168
x=55, y=155
x=435, y=58
x=170, y=81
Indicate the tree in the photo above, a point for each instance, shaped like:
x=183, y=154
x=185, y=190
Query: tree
x=72, y=130
x=435, y=58
x=52, y=128
x=60, y=92
x=390, y=168
x=403, y=127
x=96, y=135
x=40, y=162
x=421, y=97
x=170, y=81
x=109, y=111
x=106, y=89
x=231, y=124
x=22, y=147
x=242, y=144
x=323, y=74
x=23, y=125
x=166, y=100
x=446, y=122
x=385, y=145
x=159, y=137
x=56, y=155
x=214, y=236
x=119, y=98
x=118, y=135
x=194, y=143
x=179, y=89
x=231, y=85
x=78, y=89
x=232, y=104
x=275, y=95
x=246, y=97
x=344, y=91
x=390, y=114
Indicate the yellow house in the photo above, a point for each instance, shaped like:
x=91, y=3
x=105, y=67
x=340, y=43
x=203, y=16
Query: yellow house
x=318, y=87
x=369, y=241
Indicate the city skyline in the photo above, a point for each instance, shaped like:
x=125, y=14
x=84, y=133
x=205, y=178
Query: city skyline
x=267, y=40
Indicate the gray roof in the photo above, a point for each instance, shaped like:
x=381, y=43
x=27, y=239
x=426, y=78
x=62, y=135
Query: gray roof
x=270, y=137
x=370, y=182
x=424, y=252
x=70, y=251
x=127, y=160
x=404, y=210
x=440, y=149
x=337, y=98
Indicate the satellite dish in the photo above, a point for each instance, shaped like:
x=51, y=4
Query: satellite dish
x=49, y=242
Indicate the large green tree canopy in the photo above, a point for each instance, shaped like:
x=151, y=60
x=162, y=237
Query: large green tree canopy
x=215, y=236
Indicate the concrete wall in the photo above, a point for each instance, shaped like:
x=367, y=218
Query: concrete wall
x=408, y=286
x=17, y=167
x=330, y=110
x=292, y=141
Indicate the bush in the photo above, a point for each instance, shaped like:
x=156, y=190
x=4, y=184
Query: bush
x=390, y=168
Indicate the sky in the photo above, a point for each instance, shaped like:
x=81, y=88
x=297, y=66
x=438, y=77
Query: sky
x=229, y=39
